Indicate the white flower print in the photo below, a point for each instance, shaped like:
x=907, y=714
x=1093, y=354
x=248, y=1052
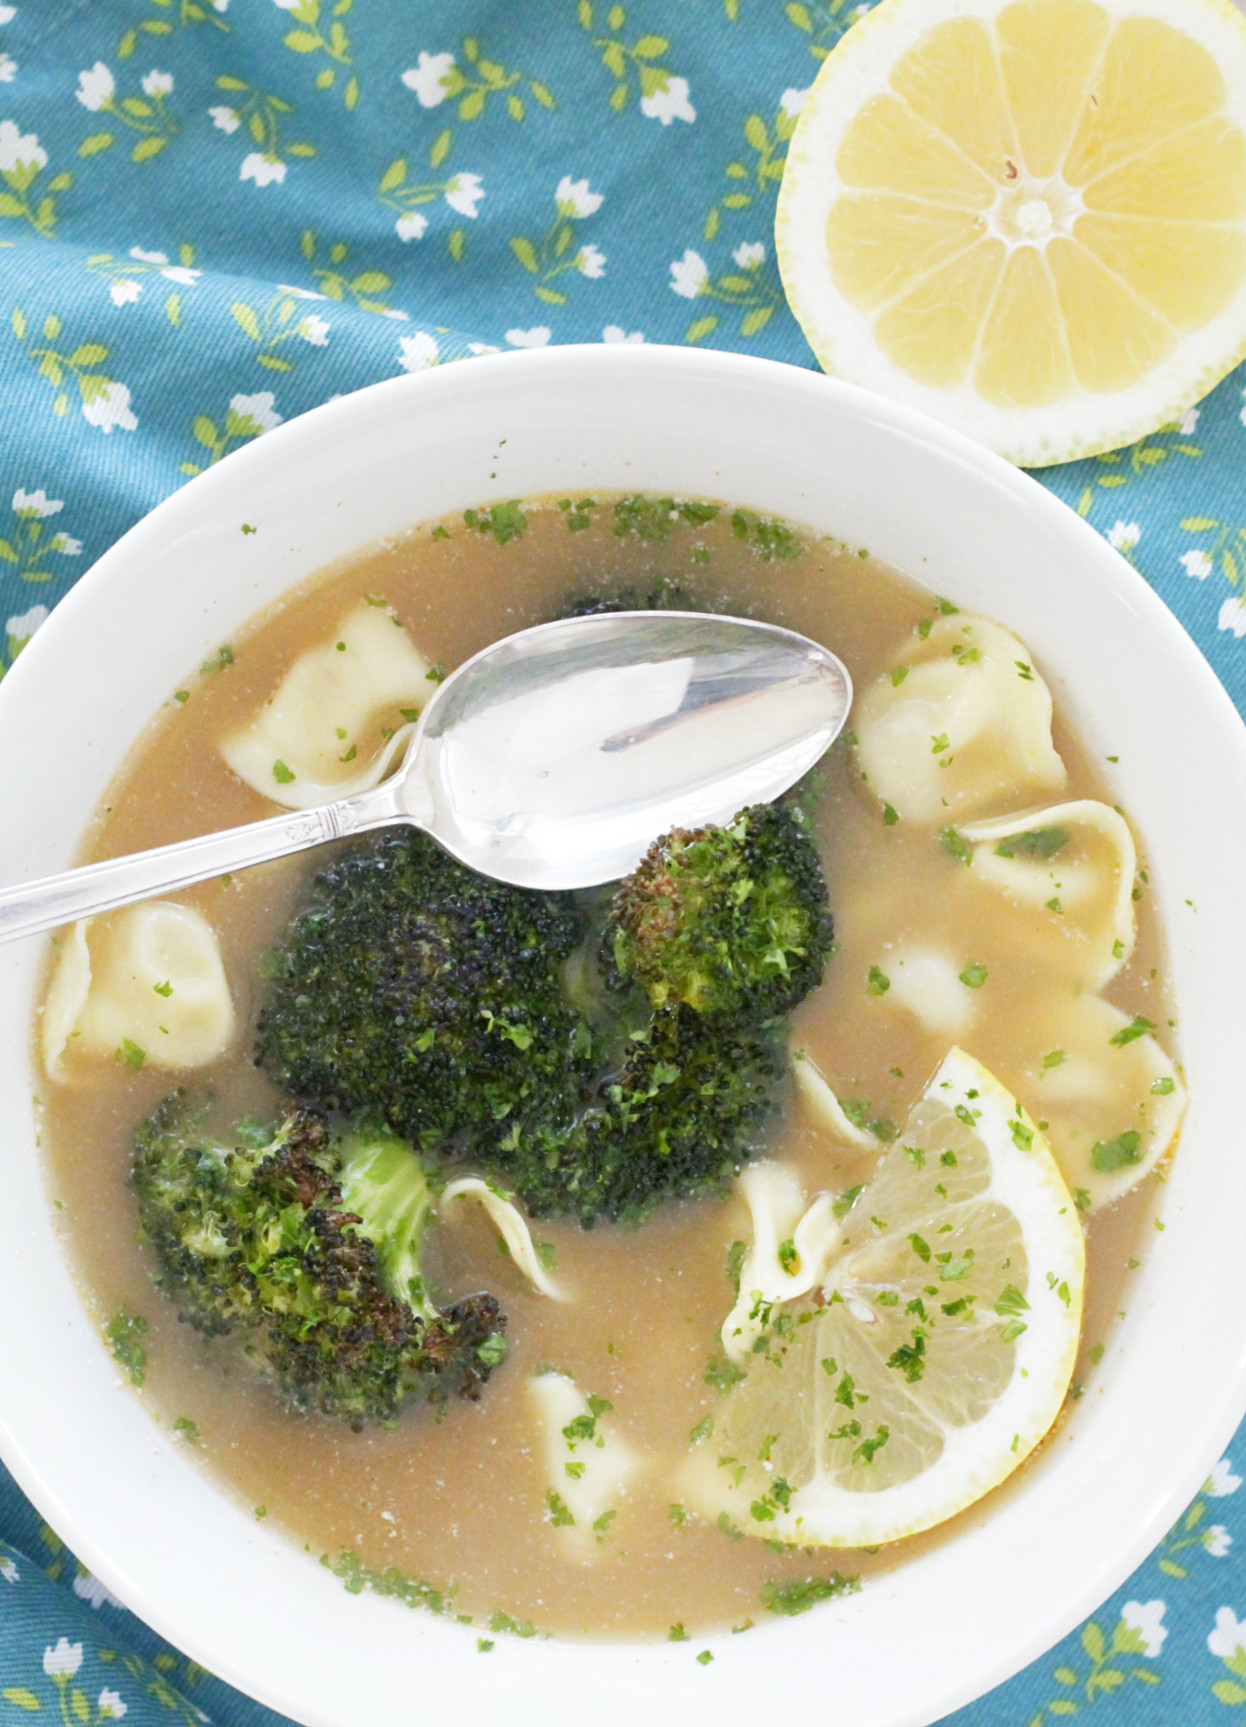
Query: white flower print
x=1124, y=536
x=18, y=149
x=416, y=353
x=89, y=1589
x=157, y=83
x=111, y=1705
x=428, y=78
x=8, y=68
x=68, y=548
x=24, y=625
x=124, y=292
x=534, y=338
x=288, y=5
x=411, y=226
x=750, y=256
x=1188, y=421
x=179, y=273
x=316, y=331
x=1217, y=1540
x=110, y=407
x=148, y=257
x=1144, y=1617
x=574, y=198
x=1233, y=616
x=1222, y=1481
x=689, y=275
x=96, y=87
x=1229, y=1635
x=38, y=503
x=225, y=119
x=616, y=333
x=258, y=409
x=7, y=14
x=264, y=170
x=301, y=293
x=792, y=101
x=477, y=348
x=8, y=1570
x=1197, y=564
x=669, y=103
x=63, y=1661
x=464, y=193
x=591, y=262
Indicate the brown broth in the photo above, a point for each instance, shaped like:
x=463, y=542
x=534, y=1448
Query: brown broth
x=457, y=1497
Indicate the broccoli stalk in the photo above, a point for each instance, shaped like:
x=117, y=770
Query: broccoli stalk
x=307, y=1248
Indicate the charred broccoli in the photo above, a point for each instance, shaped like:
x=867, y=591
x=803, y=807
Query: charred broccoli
x=686, y=1107
x=731, y=921
x=599, y=1056
x=424, y=995
x=307, y=1247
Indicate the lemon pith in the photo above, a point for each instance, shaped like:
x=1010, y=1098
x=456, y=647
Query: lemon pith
x=1029, y=219
x=931, y=1343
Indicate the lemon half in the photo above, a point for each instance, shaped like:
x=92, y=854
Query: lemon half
x=925, y=1341
x=1028, y=219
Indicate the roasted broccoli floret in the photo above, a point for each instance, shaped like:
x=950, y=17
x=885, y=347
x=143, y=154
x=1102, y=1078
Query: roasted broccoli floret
x=730, y=921
x=424, y=995
x=306, y=1246
x=689, y=1104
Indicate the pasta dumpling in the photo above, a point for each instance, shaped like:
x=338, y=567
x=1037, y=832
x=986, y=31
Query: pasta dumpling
x=1109, y=1096
x=147, y=983
x=1069, y=872
x=963, y=726
x=313, y=740
x=588, y=1464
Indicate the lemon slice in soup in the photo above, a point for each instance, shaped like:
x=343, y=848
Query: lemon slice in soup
x=1029, y=221
x=899, y=1358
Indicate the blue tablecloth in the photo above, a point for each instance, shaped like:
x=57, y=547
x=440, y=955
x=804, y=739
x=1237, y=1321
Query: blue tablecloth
x=215, y=214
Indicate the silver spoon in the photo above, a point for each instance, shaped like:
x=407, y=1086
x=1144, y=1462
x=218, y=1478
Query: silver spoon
x=551, y=759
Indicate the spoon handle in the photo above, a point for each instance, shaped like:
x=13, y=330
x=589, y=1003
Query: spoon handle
x=40, y=905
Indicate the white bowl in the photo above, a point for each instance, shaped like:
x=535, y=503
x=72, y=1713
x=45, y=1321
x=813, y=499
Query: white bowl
x=938, y=1630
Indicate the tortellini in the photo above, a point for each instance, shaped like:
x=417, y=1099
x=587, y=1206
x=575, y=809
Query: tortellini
x=957, y=741
x=814, y=1090
x=1069, y=871
x=510, y=1224
x=588, y=1464
x=927, y=984
x=145, y=985
x=1106, y=1095
x=781, y=1216
x=313, y=740
x=961, y=727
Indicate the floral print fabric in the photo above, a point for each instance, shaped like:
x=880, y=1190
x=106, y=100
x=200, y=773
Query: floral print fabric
x=215, y=214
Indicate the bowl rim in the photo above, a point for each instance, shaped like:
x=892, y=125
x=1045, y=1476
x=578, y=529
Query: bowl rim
x=184, y=509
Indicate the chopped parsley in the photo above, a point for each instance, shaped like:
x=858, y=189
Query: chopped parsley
x=722, y=1374
x=877, y=983
x=505, y=522
x=125, y=1332
x=281, y=773
x=974, y=976
x=132, y=1054
x=559, y=1511
x=1109, y=1154
x=802, y=1593
x=1034, y=843
x=955, y=846
x=1137, y=1027
x=890, y=818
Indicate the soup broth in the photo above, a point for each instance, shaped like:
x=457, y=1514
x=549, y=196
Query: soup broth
x=455, y=1497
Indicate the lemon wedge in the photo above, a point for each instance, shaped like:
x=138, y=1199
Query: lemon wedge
x=902, y=1350
x=1029, y=221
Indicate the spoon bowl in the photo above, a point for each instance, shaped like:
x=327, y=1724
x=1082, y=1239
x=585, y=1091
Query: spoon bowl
x=551, y=759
